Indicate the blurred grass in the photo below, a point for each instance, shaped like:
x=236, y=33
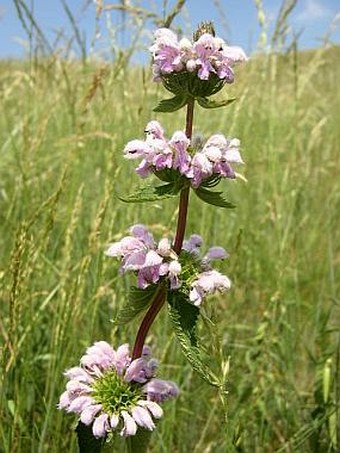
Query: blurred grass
x=62, y=130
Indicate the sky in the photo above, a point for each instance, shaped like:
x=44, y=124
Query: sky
x=235, y=20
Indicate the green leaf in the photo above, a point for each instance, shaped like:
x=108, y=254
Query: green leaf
x=177, y=83
x=211, y=104
x=169, y=175
x=152, y=193
x=188, y=84
x=212, y=181
x=172, y=104
x=86, y=441
x=213, y=198
x=184, y=317
x=138, y=301
x=166, y=175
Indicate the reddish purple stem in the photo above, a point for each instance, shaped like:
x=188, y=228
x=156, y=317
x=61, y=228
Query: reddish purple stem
x=181, y=224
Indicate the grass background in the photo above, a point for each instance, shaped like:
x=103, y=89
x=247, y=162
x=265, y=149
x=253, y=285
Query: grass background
x=62, y=130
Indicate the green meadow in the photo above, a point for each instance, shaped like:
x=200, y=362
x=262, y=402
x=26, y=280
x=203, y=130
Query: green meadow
x=275, y=337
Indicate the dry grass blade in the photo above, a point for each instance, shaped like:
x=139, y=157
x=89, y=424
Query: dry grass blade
x=281, y=27
x=79, y=39
x=25, y=15
x=171, y=16
x=134, y=10
x=142, y=12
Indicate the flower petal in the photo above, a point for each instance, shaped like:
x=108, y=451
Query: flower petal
x=215, y=253
x=136, y=149
x=142, y=417
x=115, y=249
x=100, y=426
x=141, y=232
x=152, y=259
x=154, y=130
x=101, y=347
x=64, y=400
x=159, y=390
x=154, y=408
x=130, y=426
x=138, y=371
x=79, y=404
x=122, y=358
x=79, y=373
x=89, y=413
x=114, y=420
x=164, y=247
x=193, y=244
x=74, y=386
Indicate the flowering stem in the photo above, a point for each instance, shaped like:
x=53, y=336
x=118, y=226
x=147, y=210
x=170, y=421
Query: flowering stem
x=184, y=197
x=182, y=219
x=189, y=118
x=181, y=224
x=147, y=321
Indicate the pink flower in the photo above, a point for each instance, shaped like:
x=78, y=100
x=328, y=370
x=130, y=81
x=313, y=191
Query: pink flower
x=202, y=168
x=88, y=414
x=207, y=283
x=208, y=55
x=100, y=355
x=180, y=143
x=121, y=358
x=138, y=253
x=187, y=272
x=158, y=390
x=153, y=407
x=130, y=426
x=157, y=153
x=143, y=418
x=101, y=425
x=154, y=130
x=207, y=52
x=215, y=253
x=166, y=53
x=174, y=271
x=136, y=149
x=164, y=247
x=97, y=398
x=140, y=370
x=144, y=169
x=215, y=158
x=203, y=279
x=150, y=261
x=193, y=244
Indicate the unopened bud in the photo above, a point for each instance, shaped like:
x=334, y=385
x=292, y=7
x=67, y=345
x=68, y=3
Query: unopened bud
x=204, y=27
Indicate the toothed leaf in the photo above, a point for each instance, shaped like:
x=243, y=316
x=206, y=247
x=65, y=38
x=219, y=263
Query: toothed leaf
x=184, y=317
x=138, y=301
x=152, y=193
x=213, y=198
x=172, y=104
x=211, y=104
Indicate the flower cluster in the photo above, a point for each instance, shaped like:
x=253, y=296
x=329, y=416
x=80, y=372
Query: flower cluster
x=207, y=280
x=151, y=261
x=157, y=153
x=140, y=253
x=207, y=55
x=111, y=391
